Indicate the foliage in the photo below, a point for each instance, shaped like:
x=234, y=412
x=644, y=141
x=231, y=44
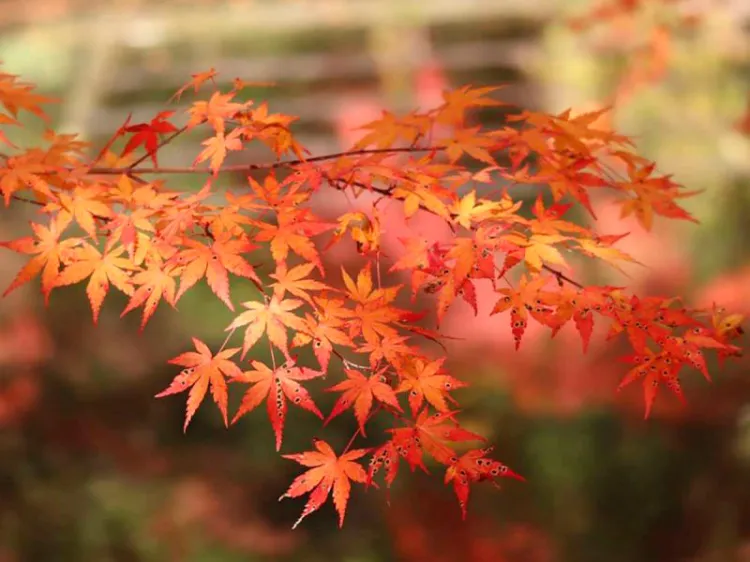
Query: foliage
x=111, y=221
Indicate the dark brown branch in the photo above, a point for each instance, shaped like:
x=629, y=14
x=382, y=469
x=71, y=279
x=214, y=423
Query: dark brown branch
x=562, y=277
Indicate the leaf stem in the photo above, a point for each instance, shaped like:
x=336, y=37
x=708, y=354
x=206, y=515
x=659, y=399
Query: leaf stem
x=374, y=411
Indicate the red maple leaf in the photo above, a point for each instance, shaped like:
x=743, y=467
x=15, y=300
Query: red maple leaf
x=147, y=134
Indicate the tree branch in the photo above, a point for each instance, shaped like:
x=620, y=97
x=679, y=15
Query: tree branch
x=129, y=170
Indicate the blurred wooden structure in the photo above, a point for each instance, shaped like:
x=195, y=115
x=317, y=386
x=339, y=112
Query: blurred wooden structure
x=129, y=55
x=108, y=59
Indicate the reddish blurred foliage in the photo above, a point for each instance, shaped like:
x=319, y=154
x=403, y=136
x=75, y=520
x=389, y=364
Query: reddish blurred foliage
x=355, y=110
x=430, y=82
x=730, y=291
x=557, y=378
x=23, y=340
x=647, y=61
x=743, y=124
x=17, y=397
x=424, y=530
x=24, y=344
x=225, y=514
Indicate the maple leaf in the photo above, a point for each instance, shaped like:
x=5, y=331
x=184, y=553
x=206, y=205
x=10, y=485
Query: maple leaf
x=390, y=348
x=197, y=81
x=471, y=142
x=453, y=110
x=25, y=171
x=203, y=369
x=132, y=231
x=470, y=260
x=147, y=134
x=213, y=262
x=521, y=303
x=271, y=129
x=85, y=206
x=216, y=149
x=50, y=253
x=16, y=96
x=276, y=386
x=5, y=120
x=214, y=111
x=360, y=392
x=293, y=232
x=294, y=281
x=373, y=316
x=549, y=220
x=539, y=250
x=273, y=318
x=156, y=282
x=365, y=231
x=103, y=269
x=426, y=380
x=652, y=195
x=469, y=210
x=473, y=466
x=431, y=198
x=325, y=329
x=430, y=434
x=605, y=252
x=386, y=130
x=328, y=471
x=654, y=369
x=725, y=328
x=418, y=256
x=578, y=305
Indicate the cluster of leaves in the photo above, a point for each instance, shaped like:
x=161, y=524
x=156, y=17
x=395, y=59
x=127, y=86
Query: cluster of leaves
x=103, y=223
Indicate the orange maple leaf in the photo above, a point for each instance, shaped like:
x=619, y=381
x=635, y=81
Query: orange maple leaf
x=276, y=386
x=216, y=149
x=273, y=318
x=198, y=79
x=214, y=111
x=328, y=471
x=373, y=317
x=359, y=392
x=325, y=329
x=293, y=232
x=156, y=282
x=103, y=269
x=203, y=369
x=50, y=252
x=426, y=380
x=85, y=205
x=213, y=262
x=15, y=96
x=295, y=282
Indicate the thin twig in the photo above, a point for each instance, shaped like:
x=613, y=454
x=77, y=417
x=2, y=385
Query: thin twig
x=374, y=411
x=104, y=171
x=226, y=339
x=161, y=145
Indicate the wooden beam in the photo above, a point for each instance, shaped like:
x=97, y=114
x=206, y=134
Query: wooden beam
x=513, y=53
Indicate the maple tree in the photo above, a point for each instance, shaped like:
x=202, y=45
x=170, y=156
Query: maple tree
x=111, y=220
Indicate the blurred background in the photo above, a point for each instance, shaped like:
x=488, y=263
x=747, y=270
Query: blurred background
x=93, y=468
